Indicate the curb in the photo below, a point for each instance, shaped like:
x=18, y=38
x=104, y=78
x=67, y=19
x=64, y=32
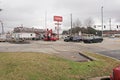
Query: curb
x=88, y=57
x=101, y=78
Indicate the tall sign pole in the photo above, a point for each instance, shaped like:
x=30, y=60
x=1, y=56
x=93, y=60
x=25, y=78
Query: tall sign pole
x=110, y=24
x=102, y=19
x=58, y=29
x=58, y=19
x=2, y=24
x=45, y=20
x=71, y=24
x=2, y=27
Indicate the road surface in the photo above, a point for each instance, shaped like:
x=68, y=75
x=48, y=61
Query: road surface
x=109, y=47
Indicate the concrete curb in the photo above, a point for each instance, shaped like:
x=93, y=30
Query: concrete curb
x=86, y=56
x=101, y=78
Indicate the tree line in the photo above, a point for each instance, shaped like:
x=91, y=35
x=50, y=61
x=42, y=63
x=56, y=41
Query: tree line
x=78, y=27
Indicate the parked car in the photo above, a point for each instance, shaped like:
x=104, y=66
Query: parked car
x=92, y=39
x=2, y=38
x=68, y=38
x=50, y=38
x=77, y=39
x=116, y=74
x=73, y=39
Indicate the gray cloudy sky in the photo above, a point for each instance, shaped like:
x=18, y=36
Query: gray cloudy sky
x=32, y=12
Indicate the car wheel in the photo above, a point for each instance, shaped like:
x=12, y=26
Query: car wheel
x=91, y=42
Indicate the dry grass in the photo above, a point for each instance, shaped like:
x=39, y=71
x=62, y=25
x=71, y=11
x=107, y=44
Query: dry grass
x=36, y=66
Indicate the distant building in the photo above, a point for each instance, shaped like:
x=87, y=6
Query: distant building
x=25, y=29
x=39, y=32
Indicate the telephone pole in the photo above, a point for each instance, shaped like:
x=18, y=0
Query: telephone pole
x=110, y=24
x=71, y=23
x=2, y=27
x=102, y=19
x=46, y=20
x=2, y=24
x=0, y=9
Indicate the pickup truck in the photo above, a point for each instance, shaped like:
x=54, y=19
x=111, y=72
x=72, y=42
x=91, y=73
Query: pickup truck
x=2, y=38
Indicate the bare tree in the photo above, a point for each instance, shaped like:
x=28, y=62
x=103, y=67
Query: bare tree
x=76, y=26
x=77, y=23
x=89, y=22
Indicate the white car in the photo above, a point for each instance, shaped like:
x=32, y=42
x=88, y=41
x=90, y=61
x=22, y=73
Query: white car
x=2, y=38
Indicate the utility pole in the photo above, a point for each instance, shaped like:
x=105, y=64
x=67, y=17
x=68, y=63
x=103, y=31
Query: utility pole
x=102, y=19
x=110, y=24
x=110, y=33
x=2, y=27
x=71, y=23
x=0, y=9
x=46, y=20
x=2, y=24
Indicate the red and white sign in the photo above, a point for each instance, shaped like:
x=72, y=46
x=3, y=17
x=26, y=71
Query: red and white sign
x=58, y=18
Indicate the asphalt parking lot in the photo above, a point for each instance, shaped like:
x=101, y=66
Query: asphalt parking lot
x=109, y=47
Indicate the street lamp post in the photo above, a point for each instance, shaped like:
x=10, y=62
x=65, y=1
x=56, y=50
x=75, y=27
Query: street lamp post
x=102, y=20
x=0, y=9
x=71, y=23
x=2, y=24
x=110, y=24
x=2, y=27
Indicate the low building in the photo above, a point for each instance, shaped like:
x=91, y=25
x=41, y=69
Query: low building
x=25, y=29
x=38, y=32
x=115, y=33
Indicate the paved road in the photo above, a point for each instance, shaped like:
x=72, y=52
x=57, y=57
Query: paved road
x=59, y=48
x=109, y=47
x=69, y=50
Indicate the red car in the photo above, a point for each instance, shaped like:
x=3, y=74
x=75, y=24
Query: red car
x=50, y=39
x=116, y=74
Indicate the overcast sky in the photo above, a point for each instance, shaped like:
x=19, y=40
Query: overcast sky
x=31, y=13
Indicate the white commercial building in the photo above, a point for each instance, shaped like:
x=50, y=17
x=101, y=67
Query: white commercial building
x=23, y=35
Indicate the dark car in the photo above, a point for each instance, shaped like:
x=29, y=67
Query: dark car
x=92, y=39
x=77, y=39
